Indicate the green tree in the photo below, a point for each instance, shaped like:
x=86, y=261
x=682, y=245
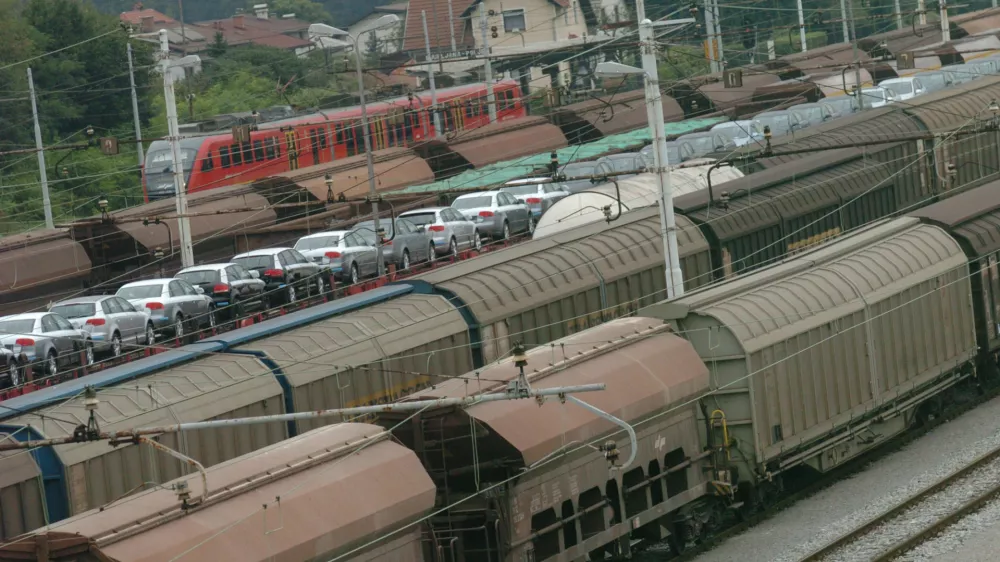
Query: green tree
x=219, y=45
x=306, y=10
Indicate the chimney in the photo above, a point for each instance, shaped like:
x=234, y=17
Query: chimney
x=238, y=21
x=148, y=24
x=137, y=6
x=261, y=11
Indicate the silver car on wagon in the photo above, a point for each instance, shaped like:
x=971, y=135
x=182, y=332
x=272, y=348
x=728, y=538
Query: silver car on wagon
x=113, y=323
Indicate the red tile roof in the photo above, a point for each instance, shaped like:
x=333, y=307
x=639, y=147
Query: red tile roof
x=269, y=33
x=134, y=17
x=437, y=25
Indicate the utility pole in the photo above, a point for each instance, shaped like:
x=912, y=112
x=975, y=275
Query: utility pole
x=369, y=159
x=491, y=99
x=719, y=39
x=857, y=64
x=802, y=25
x=922, y=10
x=843, y=19
x=42, y=175
x=430, y=77
x=945, y=26
x=668, y=227
x=173, y=132
x=713, y=64
x=135, y=118
x=899, y=13
x=451, y=27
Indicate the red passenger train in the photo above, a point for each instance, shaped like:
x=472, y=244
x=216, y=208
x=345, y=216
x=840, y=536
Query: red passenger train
x=218, y=160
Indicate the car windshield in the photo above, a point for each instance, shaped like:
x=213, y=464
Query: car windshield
x=75, y=310
x=163, y=160
x=255, y=262
x=902, y=87
x=624, y=164
x=9, y=327
x=813, y=114
x=317, y=242
x=700, y=144
x=199, y=276
x=473, y=202
x=874, y=95
x=367, y=228
x=421, y=219
x=779, y=122
x=673, y=153
x=530, y=189
x=574, y=170
x=140, y=292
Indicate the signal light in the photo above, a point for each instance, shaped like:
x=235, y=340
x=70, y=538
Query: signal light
x=273, y=273
x=436, y=228
x=486, y=213
x=95, y=322
x=220, y=288
x=332, y=255
x=154, y=305
x=28, y=342
x=534, y=200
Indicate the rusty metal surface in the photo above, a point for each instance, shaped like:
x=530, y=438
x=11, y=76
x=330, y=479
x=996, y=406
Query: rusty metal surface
x=508, y=140
x=956, y=106
x=394, y=168
x=642, y=377
x=973, y=216
x=722, y=97
x=53, y=547
x=327, y=506
x=204, y=225
x=982, y=21
x=623, y=112
x=40, y=257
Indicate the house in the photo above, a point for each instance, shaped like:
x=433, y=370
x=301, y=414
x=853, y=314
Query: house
x=259, y=28
x=384, y=40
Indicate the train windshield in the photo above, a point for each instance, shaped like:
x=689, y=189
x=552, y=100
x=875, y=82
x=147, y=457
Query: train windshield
x=159, y=171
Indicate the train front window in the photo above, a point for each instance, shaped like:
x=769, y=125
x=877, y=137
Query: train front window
x=160, y=173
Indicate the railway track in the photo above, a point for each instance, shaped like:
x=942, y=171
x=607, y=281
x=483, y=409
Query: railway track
x=920, y=517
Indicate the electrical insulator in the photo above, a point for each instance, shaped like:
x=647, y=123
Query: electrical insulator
x=493, y=32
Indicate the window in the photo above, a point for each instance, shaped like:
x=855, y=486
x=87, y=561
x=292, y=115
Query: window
x=105, y=306
x=237, y=155
x=269, y=148
x=299, y=258
x=258, y=150
x=247, y=153
x=49, y=324
x=175, y=289
x=126, y=306
x=322, y=138
x=513, y=21
x=115, y=307
x=62, y=323
x=206, y=162
x=224, y=157
x=339, y=134
x=283, y=259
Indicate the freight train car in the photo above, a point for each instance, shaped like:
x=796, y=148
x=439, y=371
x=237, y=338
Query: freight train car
x=314, y=497
x=825, y=356
x=803, y=364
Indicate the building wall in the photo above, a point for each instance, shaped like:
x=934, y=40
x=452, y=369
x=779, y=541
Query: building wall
x=544, y=22
x=390, y=38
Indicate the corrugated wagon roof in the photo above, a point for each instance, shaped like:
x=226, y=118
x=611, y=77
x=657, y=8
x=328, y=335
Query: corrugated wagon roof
x=534, y=273
x=184, y=393
x=767, y=307
x=338, y=486
x=973, y=216
x=366, y=336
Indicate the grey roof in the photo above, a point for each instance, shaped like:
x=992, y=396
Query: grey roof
x=324, y=348
x=505, y=283
x=184, y=393
x=973, y=216
x=779, y=302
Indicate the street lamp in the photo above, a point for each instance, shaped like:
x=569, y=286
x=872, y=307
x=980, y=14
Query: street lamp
x=384, y=21
x=654, y=114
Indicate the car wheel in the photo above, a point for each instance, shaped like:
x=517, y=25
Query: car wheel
x=179, y=326
x=150, y=334
x=531, y=225
x=116, y=344
x=477, y=241
x=355, y=276
x=88, y=353
x=506, y=230
x=405, y=264
x=292, y=296
x=51, y=364
x=453, y=248
x=13, y=373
